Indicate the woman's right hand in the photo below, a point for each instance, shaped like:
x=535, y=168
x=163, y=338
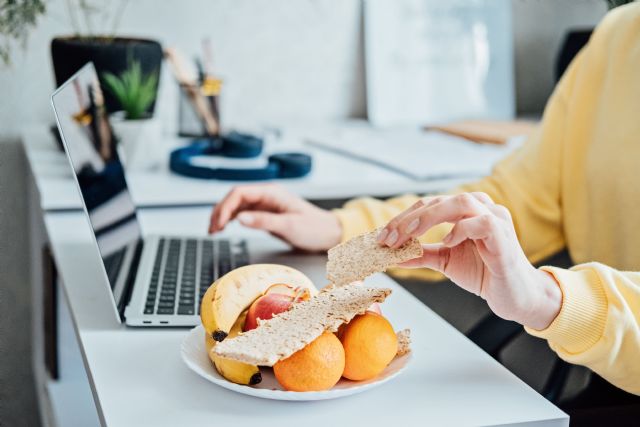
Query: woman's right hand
x=271, y=208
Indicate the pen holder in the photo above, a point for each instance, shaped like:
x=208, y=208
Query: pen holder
x=189, y=122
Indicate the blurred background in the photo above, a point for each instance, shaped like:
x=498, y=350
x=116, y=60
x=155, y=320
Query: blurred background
x=279, y=60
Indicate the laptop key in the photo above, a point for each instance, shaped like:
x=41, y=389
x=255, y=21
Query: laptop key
x=148, y=310
x=165, y=310
x=186, y=309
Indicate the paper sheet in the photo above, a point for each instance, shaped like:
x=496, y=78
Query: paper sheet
x=419, y=154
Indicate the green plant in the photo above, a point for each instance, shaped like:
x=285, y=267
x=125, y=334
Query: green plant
x=134, y=91
x=16, y=19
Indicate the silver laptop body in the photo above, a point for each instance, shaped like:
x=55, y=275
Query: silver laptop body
x=154, y=280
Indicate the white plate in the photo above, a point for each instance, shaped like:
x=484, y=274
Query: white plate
x=195, y=356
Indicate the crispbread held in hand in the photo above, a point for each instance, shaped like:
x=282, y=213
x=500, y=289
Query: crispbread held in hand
x=363, y=256
x=284, y=334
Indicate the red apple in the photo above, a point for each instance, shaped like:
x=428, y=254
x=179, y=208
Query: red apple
x=266, y=307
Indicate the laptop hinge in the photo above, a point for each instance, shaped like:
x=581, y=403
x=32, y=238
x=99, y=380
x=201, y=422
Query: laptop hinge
x=131, y=279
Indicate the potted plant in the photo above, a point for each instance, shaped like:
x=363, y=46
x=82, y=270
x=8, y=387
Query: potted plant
x=137, y=132
x=16, y=19
x=107, y=52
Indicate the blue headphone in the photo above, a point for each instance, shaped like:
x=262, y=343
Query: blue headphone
x=237, y=145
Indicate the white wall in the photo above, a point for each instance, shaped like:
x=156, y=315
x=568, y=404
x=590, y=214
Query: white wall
x=280, y=58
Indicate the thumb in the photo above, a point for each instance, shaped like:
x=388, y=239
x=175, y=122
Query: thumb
x=273, y=222
x=434, y=256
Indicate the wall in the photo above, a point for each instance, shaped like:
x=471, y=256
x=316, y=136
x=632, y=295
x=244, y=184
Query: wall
x=281, y=58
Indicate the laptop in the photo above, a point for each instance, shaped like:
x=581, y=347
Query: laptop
x=154, y=280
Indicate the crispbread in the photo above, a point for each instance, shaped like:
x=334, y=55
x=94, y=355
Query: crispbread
x=290, y=331
x=363, y=256
x=404, y=342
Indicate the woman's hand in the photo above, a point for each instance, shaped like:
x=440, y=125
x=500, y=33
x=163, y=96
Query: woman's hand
x=270, y=207
x=481, y=254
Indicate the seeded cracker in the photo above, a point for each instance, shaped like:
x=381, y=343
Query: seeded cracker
x=362, y=256
x=404, y=342
x=290, y=331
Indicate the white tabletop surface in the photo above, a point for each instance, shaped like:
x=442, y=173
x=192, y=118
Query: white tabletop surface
x=138, y=378
x=334, y=176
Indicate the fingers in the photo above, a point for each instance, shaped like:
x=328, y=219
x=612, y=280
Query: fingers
x=488, y=228
x=434, y=256
x=272, y=222
x=233, y=202
x=425, y=201
x=501, y=212
x=482, y=197
x=447, y=209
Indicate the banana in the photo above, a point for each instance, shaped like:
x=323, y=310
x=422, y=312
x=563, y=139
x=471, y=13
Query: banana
x=234, y=371
x=234, y=292
x=206, y=312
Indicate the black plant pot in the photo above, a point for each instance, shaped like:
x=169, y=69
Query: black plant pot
x=110, y=54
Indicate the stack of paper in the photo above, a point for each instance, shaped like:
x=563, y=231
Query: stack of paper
x=419, y=154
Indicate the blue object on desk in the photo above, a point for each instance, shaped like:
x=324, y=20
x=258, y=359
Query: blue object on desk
x=236, y=145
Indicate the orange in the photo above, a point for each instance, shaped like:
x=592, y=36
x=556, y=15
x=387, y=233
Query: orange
x=316, y=367
x=369, y=345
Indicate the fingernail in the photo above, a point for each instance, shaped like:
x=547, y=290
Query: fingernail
x=447, y=238
x=413, y=225
x=382, y=235
x=393, y=237
x=245, y=218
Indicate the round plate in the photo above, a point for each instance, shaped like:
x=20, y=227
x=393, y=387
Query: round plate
x=195, y=356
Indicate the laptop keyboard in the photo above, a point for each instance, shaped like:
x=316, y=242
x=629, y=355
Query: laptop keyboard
x=185, y=268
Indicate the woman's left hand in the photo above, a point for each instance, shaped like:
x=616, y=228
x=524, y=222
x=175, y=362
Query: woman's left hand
x=481, y=254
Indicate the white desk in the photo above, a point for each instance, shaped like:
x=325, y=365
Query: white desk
x=137, y=378
x=333, y=177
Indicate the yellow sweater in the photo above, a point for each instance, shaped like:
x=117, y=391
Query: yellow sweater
x=574, y=184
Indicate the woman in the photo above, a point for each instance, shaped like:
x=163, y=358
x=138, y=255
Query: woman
x=575, y=184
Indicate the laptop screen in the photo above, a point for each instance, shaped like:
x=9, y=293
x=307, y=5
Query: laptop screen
x=91, y=146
